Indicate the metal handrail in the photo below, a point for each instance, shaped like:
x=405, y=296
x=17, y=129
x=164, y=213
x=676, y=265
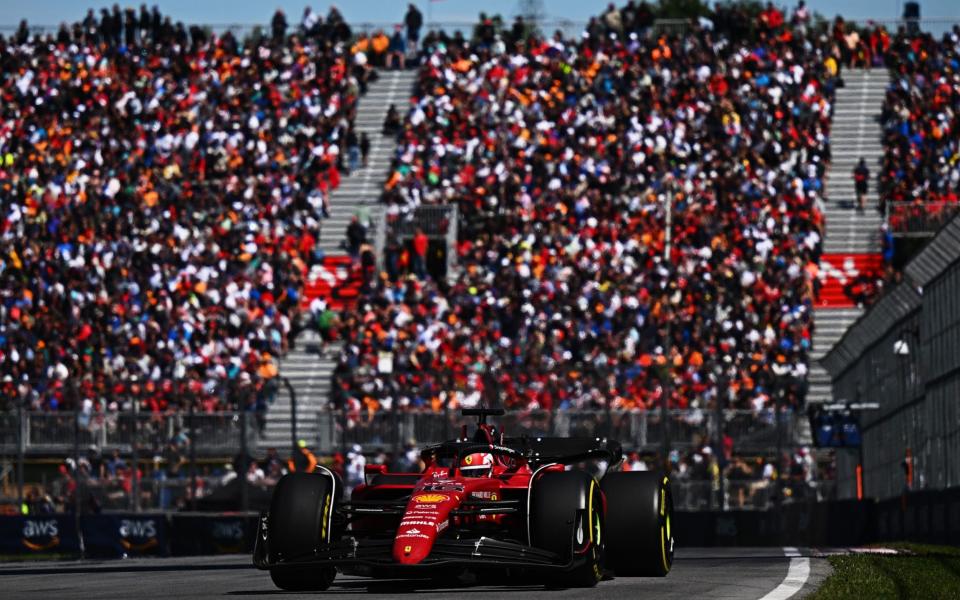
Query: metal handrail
x=919, y=219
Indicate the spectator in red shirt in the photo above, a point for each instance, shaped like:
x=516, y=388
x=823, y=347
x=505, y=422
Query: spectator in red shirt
x=771, y=17
x=420, y=244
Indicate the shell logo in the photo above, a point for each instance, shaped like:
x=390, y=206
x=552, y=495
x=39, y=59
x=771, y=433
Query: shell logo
x=430, y=498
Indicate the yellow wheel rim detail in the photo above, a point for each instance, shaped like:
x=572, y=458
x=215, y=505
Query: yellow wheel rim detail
x=590, y=512
x=665, y=533
x=596, y=528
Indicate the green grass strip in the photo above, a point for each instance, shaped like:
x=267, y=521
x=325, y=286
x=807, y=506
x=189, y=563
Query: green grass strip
x=928, y=572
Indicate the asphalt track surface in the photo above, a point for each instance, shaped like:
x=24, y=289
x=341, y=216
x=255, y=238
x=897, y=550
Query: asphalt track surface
x=726, y=573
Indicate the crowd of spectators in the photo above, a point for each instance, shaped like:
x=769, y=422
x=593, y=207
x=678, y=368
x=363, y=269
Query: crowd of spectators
x=861, y=47
x=566, y=160
x=161, y=192
x=921, y=129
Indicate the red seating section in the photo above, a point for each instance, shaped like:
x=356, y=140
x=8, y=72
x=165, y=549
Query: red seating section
x=836, y=270
x=337, y=281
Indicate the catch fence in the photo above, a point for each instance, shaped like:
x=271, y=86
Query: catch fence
x=183, y=459
x=226, y=433
x=636, y=430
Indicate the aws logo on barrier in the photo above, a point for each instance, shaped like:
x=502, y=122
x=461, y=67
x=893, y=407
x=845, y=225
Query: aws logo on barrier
x=40, y=534
x=138, y=535
x=227, y=536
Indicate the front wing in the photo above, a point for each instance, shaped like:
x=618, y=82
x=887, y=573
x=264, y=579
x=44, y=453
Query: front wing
x=377, y=553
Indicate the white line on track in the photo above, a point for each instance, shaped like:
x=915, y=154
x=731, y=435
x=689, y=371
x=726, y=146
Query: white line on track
x=797, y=575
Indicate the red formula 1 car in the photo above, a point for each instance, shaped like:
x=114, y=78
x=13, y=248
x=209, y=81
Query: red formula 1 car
x=482, y=502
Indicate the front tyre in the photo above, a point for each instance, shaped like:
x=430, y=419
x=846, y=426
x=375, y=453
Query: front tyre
x=313, y=579
x=300, y=521
x=566, y=517
x=639, y=519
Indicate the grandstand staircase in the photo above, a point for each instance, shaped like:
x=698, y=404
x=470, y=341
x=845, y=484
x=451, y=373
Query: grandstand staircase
x=309, y=366
x=358, y=193
x=851, y=240
x=309, y=370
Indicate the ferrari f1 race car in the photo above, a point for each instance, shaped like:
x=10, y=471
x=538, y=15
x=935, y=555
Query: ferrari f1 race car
x=483, y=503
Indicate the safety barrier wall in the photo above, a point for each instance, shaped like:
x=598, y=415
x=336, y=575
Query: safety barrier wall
x=928, y=517
x=118, y=535
x=921, y=516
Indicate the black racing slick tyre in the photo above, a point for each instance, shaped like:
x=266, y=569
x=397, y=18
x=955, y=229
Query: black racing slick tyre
x=566, y=518
x=639, y=529
x=300, y=520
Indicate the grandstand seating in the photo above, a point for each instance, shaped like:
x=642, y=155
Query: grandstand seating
x=921, y=121
x=564, y=298
x=161, y=191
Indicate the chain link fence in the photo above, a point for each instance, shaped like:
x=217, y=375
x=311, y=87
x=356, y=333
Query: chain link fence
x=88, y=459
x=639, y=430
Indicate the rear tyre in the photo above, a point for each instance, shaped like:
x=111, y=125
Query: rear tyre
x=299, y=521
x=566, y=518
x=639, y=515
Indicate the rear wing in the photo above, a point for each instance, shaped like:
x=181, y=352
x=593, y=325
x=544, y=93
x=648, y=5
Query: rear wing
x=566, y=450
x=532, y=450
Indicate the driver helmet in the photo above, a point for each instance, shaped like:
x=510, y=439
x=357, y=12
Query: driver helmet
x=479, y=464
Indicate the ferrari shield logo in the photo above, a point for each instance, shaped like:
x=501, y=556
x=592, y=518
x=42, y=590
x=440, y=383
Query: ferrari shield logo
x=430, y=498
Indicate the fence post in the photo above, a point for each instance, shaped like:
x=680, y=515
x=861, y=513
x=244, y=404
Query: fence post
x=78, y=492
x=446, y=422
x=396, y=429
x=451, y=254
x=379, y=237
x=20, y=451
x=293, y=414
x=343, y=431
x=778, y=488
x=135, y=448
x=718, y=451
x=193, y=454
x=244, y=492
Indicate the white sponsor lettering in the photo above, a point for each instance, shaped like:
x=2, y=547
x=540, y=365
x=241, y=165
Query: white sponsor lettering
x=137, y=528
x=406, y=522
x=33, y=528
x=442, y=526
x=230, y=530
